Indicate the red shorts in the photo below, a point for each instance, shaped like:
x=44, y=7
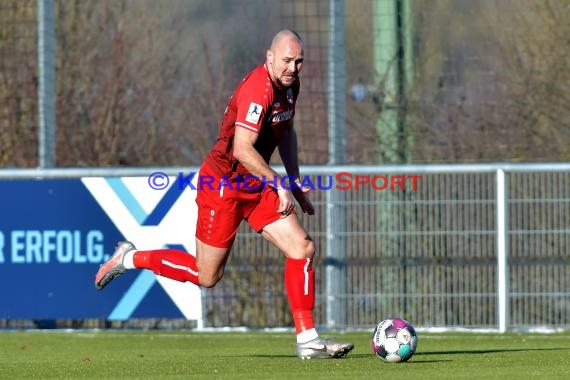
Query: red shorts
x=222, y=208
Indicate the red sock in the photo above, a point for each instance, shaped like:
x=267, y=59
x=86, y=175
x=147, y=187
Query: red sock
x=300, y=287
x=171, y=263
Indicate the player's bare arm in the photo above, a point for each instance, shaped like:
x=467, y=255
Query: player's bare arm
x=289, y=156
x=249, y=157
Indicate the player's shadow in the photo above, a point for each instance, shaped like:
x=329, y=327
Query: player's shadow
x=421, y=357
x=351, y=356
x=490, y=351
x=367, y=356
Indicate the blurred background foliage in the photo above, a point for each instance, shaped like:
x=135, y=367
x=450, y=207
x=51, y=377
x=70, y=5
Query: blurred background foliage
x=144, y=83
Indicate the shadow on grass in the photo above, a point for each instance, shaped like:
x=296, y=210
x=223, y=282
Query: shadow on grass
x=349, y=357
x=413, y=360
x=417, y=358
x=491, y=351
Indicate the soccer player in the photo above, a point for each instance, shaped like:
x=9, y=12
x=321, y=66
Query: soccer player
x=258, y=119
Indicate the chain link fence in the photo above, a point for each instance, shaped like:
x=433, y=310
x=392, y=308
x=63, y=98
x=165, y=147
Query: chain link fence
x=429, y=254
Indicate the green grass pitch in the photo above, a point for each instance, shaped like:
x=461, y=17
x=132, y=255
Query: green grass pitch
x=86, y=354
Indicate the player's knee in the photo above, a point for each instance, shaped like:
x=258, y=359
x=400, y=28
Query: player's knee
x=209, y=281
x=311, y=249
x=307, y=249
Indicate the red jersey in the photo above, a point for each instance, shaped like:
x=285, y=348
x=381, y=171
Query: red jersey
x=261, y=106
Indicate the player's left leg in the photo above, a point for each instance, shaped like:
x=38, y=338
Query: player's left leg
x=290, y=237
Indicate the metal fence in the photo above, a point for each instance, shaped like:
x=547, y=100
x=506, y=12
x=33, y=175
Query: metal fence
x=474, y=246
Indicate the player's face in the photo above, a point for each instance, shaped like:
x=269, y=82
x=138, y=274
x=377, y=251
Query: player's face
x=285, y=61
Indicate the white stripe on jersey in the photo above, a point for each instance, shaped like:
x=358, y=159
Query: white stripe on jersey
x=246, y=126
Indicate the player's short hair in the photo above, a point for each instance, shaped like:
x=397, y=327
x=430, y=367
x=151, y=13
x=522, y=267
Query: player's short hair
x=285, y=33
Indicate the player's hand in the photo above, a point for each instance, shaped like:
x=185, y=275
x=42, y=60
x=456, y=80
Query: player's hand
x=286, y=202
x=301, y=195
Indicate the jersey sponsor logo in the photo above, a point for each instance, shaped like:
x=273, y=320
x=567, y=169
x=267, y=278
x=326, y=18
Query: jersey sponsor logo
x=282, y=116
x=254, y=113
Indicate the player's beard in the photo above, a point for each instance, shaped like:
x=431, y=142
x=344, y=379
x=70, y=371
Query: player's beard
x=285, y=85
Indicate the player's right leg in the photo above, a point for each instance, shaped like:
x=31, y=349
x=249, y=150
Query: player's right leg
x=171, y=263
x=217, y=224
x=114, y=267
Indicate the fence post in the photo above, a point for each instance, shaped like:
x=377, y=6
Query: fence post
x=502, y=251
x=46, y=85
x=335, y=292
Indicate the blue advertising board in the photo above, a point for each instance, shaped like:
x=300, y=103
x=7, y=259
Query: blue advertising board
x=54, y=234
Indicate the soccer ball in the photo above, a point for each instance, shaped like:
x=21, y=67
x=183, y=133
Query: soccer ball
x=394, y=340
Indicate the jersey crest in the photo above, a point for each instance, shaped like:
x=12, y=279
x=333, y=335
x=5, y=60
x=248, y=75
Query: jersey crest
x=290, y=98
